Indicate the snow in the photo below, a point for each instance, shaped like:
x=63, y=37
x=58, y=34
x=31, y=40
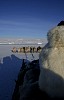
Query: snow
x=10, y=64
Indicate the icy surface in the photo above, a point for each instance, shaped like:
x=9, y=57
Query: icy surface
x=10, y=64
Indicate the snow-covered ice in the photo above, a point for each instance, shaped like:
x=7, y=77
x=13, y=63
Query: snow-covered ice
x=10, y=64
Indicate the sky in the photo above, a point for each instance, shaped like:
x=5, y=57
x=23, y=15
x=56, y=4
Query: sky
x=29, y=18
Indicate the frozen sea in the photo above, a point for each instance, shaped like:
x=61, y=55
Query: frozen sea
x=10, y=64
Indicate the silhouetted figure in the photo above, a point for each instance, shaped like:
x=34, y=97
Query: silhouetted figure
x=24, y=49
x=30, y=50
x=61, y=23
